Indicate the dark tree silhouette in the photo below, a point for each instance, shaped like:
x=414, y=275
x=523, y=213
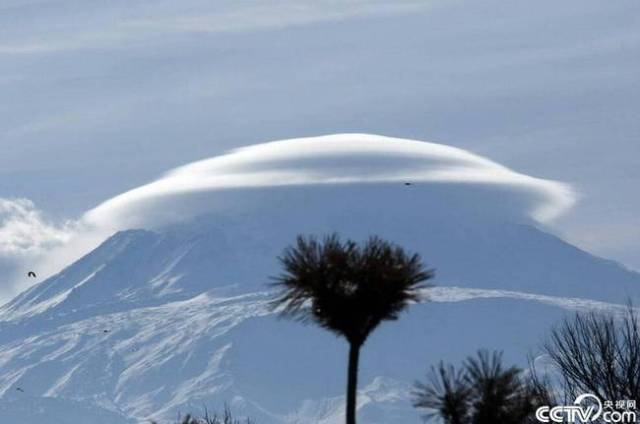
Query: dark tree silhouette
x=349, y=290
x=446, y=394
x=483, y=391
x=599, y=354
x=226, y=417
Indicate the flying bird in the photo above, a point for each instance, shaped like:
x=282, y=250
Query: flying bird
x=31, y=274
x=407, y=184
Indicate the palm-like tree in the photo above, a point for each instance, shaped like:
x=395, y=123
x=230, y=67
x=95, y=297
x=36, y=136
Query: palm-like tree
x=484, y=391
x=349, y=290
x=446, y=394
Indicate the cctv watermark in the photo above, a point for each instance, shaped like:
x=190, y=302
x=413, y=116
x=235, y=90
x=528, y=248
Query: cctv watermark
x=588, y=408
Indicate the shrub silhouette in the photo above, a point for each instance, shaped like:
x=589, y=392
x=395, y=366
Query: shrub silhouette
x=348, y=289
x=597, y=353
x=226, y=417
x=483, y=391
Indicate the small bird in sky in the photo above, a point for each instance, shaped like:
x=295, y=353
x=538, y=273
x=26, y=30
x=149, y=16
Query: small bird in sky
x=19, y=389
x=407, y=184
x=31, y=274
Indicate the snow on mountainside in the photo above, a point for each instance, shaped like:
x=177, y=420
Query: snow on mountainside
x=144, y=268
x=153, y=323
x=157, y=322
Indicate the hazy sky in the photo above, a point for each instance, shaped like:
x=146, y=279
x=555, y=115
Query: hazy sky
x=100, y=97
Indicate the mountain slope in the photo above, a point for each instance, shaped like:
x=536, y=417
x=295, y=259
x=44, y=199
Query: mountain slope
x=471, y=237
x=152, y=323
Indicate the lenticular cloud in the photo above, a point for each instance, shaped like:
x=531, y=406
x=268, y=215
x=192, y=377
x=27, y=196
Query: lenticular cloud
x=332, y=183
x=346, y=159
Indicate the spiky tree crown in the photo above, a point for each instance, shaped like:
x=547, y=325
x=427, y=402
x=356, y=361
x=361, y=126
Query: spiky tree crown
x=347, y=288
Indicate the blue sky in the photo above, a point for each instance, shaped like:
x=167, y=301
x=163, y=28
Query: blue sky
x=101, y=97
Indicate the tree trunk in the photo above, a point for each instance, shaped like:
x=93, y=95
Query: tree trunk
x=352, y=382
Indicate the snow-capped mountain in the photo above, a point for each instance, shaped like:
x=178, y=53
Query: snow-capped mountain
x=153, y=323
x=157, y=322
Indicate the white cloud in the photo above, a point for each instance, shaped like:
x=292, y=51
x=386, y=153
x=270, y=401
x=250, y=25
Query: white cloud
x=24, y=230
x=461, y=294
x=145, y=21
x=26, y=239
x=277, y=15
x=329, y=160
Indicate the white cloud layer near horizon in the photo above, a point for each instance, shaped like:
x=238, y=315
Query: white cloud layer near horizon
x=342, y=159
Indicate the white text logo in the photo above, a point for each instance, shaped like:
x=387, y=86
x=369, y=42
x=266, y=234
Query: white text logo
x=587, y=408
